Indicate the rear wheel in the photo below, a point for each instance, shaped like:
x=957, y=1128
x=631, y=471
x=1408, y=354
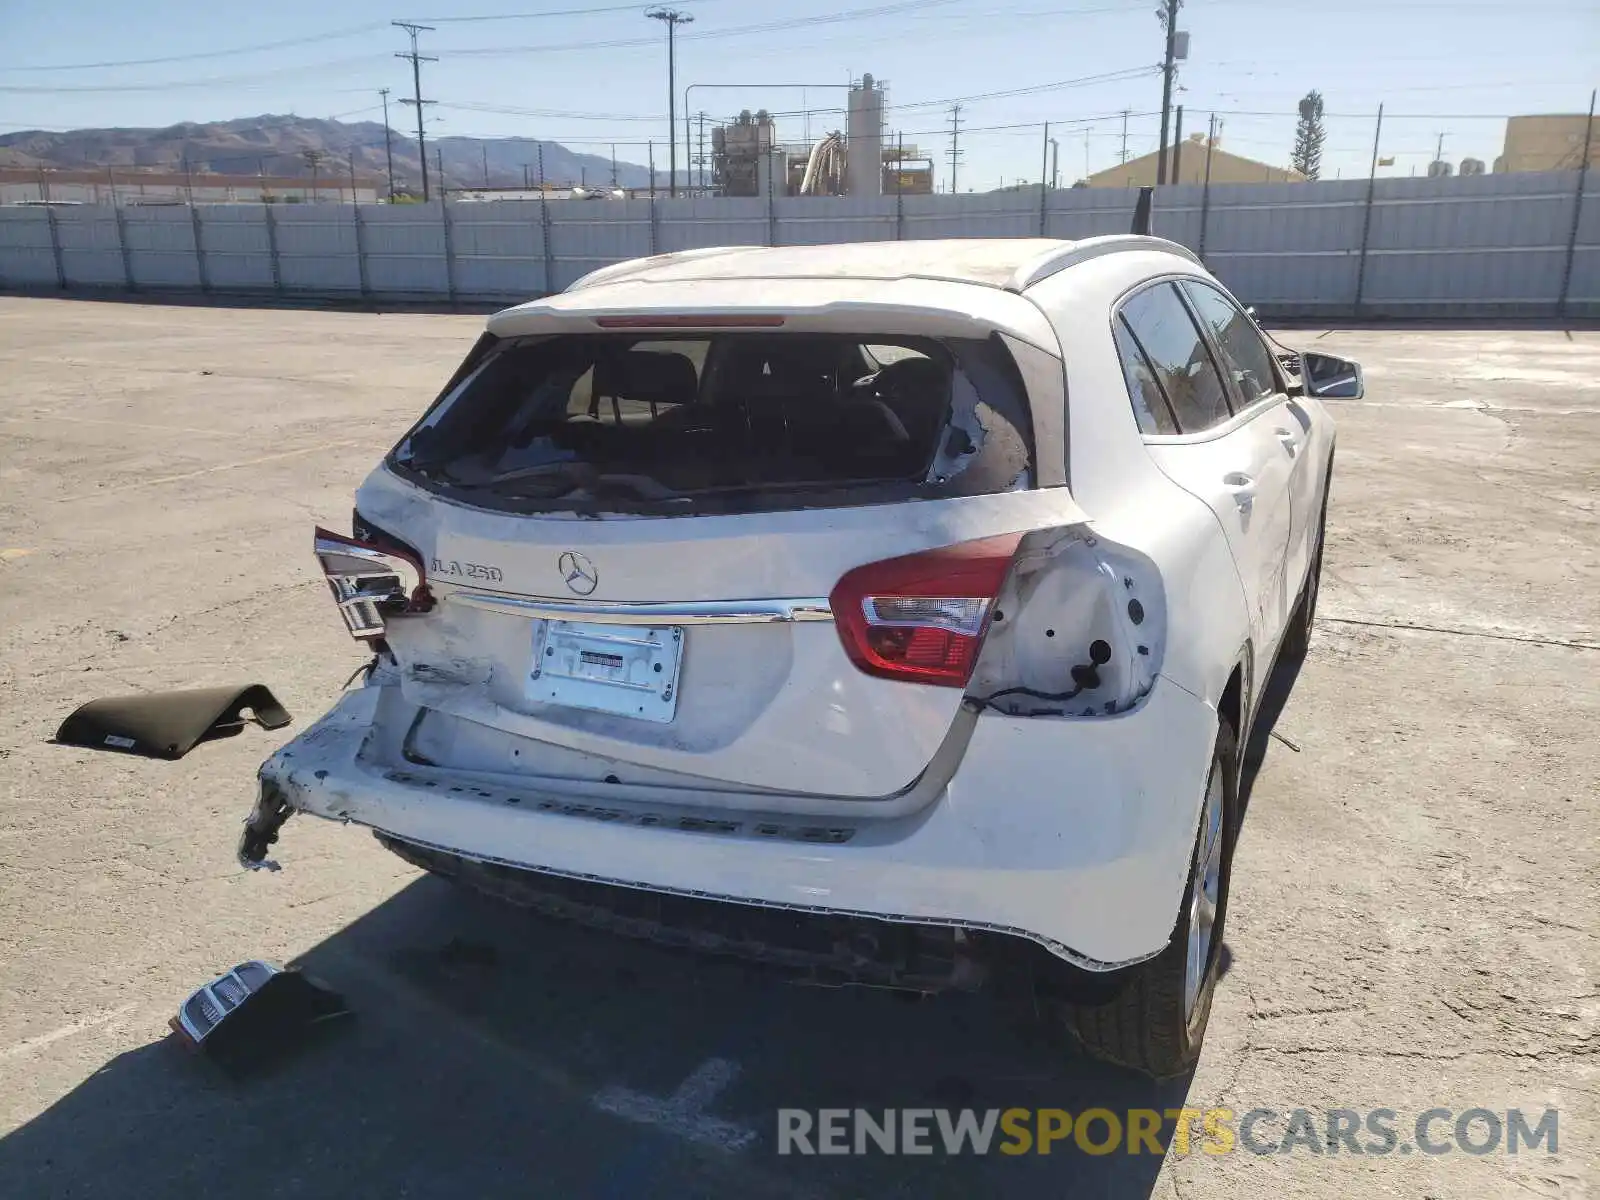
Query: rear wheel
x=1157, y=1018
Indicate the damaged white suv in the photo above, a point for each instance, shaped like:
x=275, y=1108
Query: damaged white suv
x=890, y=612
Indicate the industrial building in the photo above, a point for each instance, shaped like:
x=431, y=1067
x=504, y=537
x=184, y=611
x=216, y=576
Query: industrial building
x=1550, y=142
x=747, y=159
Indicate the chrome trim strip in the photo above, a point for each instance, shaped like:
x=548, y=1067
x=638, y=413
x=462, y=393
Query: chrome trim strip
x=698, y=612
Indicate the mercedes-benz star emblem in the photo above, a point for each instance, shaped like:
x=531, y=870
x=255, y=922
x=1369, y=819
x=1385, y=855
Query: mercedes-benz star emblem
x=578, y=572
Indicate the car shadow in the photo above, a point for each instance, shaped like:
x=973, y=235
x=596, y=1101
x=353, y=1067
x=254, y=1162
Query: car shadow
x=492, y=1052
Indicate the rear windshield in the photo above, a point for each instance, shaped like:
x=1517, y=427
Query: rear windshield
x=721, y=422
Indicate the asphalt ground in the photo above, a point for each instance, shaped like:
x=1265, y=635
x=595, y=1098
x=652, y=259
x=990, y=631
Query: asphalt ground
x=1414, y=910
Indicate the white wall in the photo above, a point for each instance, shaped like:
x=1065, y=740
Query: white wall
x=1480, y=245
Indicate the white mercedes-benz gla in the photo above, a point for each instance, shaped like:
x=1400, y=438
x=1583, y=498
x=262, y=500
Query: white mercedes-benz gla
x=892, y=612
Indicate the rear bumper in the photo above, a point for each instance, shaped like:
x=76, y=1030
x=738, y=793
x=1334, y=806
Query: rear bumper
x=1073, y=833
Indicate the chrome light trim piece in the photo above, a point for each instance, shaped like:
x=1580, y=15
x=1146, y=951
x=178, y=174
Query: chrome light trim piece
x=364, y=581
x=699, y=612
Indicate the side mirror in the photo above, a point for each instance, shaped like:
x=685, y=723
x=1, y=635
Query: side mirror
x=1330, y=378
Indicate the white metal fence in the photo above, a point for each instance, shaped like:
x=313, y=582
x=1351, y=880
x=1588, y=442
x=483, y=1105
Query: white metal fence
x=1521, y=244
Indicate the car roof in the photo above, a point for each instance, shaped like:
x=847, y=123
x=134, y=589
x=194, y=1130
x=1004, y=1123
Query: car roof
x=1011, y=264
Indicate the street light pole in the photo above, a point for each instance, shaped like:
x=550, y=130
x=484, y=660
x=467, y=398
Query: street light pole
x=672, y=18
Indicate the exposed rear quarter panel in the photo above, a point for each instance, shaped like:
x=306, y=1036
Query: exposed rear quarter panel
x=1126, y=496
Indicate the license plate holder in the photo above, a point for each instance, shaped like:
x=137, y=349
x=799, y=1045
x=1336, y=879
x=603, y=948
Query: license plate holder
x=626, y=670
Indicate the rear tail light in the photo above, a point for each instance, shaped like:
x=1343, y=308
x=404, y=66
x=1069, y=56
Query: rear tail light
x=922, y=618
x=371, y=580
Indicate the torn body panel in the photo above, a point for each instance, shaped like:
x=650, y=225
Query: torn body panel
x=1088, y=861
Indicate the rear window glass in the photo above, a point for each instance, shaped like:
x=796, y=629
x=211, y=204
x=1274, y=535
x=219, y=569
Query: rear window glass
x=618, y=420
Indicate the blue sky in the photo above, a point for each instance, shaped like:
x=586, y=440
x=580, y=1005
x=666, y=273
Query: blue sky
x=596, y=77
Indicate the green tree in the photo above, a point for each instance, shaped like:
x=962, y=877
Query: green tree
x=1309, y=134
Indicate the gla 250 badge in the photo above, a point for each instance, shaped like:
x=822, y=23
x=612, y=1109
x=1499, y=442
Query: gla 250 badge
x=461, y=570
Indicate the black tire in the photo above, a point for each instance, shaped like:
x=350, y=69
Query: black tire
x=1143, y=1025
x=1297, y=637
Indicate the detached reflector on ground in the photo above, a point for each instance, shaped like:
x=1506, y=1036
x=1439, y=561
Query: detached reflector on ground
x=254, y=1015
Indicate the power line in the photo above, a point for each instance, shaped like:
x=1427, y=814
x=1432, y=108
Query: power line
x=560, y=114
x=854, y=14
x=417, y=101
x=1034, y=89
x=209, y=81
x=259, y=47
x=535, y=16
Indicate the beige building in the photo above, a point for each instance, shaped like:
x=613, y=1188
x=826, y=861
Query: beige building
x=1191, y=168
x=1552, y=142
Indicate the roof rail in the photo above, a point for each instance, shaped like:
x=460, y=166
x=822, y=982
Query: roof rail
x=1054, y=261
x=637, y=266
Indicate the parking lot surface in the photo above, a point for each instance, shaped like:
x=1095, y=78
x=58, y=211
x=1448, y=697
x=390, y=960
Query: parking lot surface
x=1414, y=919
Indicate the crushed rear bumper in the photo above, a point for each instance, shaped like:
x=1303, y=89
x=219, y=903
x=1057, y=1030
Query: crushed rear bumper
x=1074, y=834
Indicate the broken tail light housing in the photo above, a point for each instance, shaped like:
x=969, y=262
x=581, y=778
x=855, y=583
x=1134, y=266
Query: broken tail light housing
x=371, y=580
x=922, y=618
x=206, y=1006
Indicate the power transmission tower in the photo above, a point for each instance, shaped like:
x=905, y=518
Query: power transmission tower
x=1168, y=14
x=416, y=83
x=313, y=160
x=388, y=142
x=955, y=143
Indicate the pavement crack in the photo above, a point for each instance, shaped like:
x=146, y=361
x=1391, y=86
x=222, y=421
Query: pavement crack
x=1271, y=1014
x=1474, y=633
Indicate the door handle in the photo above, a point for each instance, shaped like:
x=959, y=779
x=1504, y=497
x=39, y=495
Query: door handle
x=1289, y=442
x=1241, y=487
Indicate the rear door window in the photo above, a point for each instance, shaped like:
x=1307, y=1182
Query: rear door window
x=670, y=422
x=1149, y=404
x=1178, y=356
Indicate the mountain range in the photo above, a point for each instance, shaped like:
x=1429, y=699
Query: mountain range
x=285, y=145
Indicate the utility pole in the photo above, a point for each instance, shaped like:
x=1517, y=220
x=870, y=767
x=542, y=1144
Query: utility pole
x=416, y=84
x=955, y=144
x=652, y=170
x=1176, y=174
x=388, y=142
x=525, y=184
x=701, y=154
x=351, y=159
x=672, y=18
x=613, y=166
x=1168, y=13
x=1126, y=113
x=438, y=158
x=484, y=146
